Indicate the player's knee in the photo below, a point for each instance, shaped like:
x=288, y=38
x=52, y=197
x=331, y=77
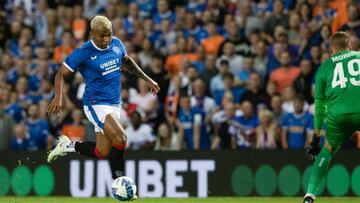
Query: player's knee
x=104, y=150
x=122, y=139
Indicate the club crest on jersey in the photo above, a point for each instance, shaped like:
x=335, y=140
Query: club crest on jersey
x=116, y=49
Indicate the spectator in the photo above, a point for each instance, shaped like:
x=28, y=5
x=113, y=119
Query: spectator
x=225, y=137
x=274, y=59
x=234, y=36
x=248, y=68
x=266, y=131
x=79, y=25
x=191, y=125
x=235, y=61
x=294, y=29
x=278, y=17
x=166, y=140
x=276, y=107
x=38, y=129
x=303, y=83
x=172, y=99
x=74, y=130
x=254, y=92
x=144, y=100
x=213, y=41
x=6, y=128
x=146, y=7
x=200, y=100
x=139, y=134
x=286, y=74
x=21, y=139
x=41, y=24
x=173, y=62
x=193, y=29
x=325, y=33
x=248, y=122
x=261, y=58
x=217, y=82
x=65, y=48
x=165, y=38
x=156, y=71
x=163, y=13
x=305, y=12
x=353, y=24
x=229, y=86
x=132, y=18
x=210, y=72
x=248, y=21
x=315, y=57
x=296, y=127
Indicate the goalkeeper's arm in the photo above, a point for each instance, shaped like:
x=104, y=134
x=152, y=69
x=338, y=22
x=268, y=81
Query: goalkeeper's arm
x=320, y=112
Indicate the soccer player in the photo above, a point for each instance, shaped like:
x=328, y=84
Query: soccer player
x=337, y=84
x=100, y=62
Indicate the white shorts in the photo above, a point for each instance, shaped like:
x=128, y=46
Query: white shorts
x=97, y=114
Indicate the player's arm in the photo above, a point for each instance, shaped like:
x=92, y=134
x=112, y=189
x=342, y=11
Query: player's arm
x=56, y=103
x=133, y=68
x=320, y=103
x=320, y=113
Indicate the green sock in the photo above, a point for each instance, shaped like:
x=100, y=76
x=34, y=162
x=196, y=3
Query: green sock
x=319, y=170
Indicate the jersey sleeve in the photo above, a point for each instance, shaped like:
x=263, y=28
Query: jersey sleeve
x=284, y=122
x=73, y=61
x=320, y=109
x=122, y=47
x=320, y=84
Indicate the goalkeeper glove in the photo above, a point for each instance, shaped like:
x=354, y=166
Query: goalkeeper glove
x=314, y=149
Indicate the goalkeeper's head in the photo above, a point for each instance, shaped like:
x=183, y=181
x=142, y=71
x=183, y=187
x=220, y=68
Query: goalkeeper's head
x=339, y=41
x=101, y=31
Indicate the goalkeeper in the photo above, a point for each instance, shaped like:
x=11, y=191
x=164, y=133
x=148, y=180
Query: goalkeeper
x=337, y=91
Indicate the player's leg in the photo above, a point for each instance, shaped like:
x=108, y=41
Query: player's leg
x=116, y=134
x=319, y=170
x=336, y=135
x=100, y=149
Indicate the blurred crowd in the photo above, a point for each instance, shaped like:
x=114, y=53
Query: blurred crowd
x=234, y=74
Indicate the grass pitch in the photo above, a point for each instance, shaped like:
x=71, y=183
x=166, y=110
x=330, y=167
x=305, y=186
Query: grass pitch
x=175, y=200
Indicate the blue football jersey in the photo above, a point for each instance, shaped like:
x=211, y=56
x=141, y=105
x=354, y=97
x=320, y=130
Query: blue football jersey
x=297, y=126
x=101, y=70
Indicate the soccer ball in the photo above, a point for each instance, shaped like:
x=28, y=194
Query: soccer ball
x=123, y=188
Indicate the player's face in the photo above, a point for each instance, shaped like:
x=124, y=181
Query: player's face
x=102, y=37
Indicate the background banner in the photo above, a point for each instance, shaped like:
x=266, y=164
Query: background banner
x=179, y=174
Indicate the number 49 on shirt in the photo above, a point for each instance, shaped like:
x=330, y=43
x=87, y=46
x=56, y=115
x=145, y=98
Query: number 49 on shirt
x=339, y=78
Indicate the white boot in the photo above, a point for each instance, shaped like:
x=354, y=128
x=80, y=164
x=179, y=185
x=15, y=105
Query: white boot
x=61, y=148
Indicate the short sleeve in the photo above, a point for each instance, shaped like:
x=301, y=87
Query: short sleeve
x=197, y=119
x=149, y=134
x=122, y=47
x=74, y=60
x=284, y=122
x=310, y=124
x=320, y=84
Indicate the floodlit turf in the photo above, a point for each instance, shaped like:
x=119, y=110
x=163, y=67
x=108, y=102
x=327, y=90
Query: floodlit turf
x=171, y=200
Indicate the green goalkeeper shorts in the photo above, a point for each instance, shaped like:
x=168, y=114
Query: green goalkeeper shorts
x=339, y=128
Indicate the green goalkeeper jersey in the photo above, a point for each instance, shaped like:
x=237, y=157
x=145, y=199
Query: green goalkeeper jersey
x=338, y=83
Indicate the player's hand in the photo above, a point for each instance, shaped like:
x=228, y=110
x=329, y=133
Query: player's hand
x=54, y=107
x=154, y=87
x=314, y=149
